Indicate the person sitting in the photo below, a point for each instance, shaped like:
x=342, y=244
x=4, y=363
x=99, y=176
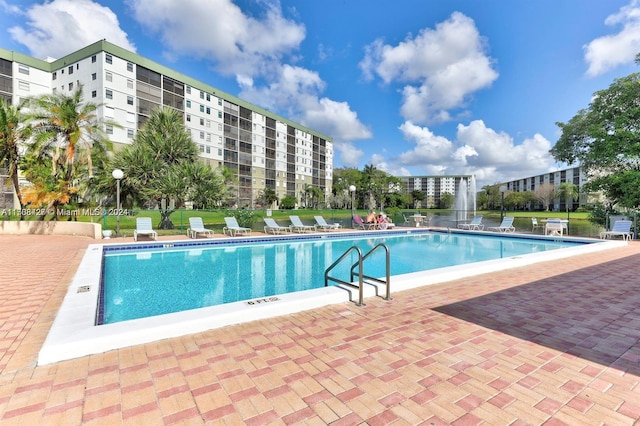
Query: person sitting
x=371, y=217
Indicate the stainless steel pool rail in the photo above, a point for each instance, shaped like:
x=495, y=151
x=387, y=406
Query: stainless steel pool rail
x=361, y=276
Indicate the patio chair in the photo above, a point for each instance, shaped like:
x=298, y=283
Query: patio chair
x=196, y=226
x=322, y=224
x=620, y=228
x=270, y=225
x=298, y=226
x=474, y=225
x=535, y=224
x=234, y=228
x=554, y=227
x=505, y=226
x=144, y=227
x=361, y=224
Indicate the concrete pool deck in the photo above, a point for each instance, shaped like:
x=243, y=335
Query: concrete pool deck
x=555, y=342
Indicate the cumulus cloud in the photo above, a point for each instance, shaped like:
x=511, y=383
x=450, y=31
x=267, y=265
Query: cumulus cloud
x=608, y=52
x=219, y=30
x=60, y=27
x=441, y=67
x=492, y=156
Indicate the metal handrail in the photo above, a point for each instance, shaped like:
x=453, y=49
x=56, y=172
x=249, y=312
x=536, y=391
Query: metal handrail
x=387, y=283
x=334, y=264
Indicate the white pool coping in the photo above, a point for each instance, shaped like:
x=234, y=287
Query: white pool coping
x=74, y=334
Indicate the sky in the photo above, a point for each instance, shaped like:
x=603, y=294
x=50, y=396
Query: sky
x=413, y=87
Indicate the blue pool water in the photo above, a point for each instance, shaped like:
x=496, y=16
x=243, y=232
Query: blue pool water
x=146, y=282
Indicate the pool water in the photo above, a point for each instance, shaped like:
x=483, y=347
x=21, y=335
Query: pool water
x=149, y=282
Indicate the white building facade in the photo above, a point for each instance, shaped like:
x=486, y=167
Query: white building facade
x=264, y=150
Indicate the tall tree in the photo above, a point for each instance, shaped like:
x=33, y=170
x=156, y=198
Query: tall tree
x=66, y=130
x=569, y=192
x=14, y=131
x=605, y=140
x=544, y=193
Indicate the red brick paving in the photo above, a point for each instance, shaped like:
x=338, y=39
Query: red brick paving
x=553, y=343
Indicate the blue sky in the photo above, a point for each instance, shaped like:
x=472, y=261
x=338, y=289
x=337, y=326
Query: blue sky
x=413, y=87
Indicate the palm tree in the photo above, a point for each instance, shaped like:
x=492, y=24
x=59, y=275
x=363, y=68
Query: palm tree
x=65, y=129
x=13, y=132
x=568, y=191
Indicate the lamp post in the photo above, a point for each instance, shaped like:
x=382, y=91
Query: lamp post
x=503, y=188
x=352, y=189
x=117, y=175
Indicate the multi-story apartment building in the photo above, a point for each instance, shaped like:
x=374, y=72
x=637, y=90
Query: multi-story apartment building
x=575, y=175
x=263, y=149
x=434, y=186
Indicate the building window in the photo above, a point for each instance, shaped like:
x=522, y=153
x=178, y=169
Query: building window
x=108, y=76
x=202, y=121
x=188, y=90
x=129, y=67
x=219, y=114
x=93, y=59
x=55, y=75
x=109, y=94
x=188, y=103
x=220, y=101
x=208, y=110
x=23, y=86
x=208, y=150
x=208, y=97
x=23, y=69
x=188, y=117
x=201, y=94
x=108, y=58
x=201, y=148
x=71, y=69
x=201, y=108
x=129, y=100
x=109, y=129
x=71, y=86
x=94, y=93
x=130, y=133
x=201, y=135
x=94, y=76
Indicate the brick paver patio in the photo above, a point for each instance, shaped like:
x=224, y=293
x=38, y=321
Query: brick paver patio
x=553, y=343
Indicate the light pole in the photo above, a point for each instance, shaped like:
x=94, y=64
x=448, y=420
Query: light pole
x=352, y=189
x=117, y=175
x=503, y=188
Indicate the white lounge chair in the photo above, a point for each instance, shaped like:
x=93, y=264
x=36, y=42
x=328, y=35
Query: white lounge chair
x=505, y=226
x=554, y=227
x=234, y=228
x=535, y=224
x=298, y=226
x=474, y=225
x=196, y=226
x=270, y=225
x=144, y=227
x=620, y=228
x=322, y=224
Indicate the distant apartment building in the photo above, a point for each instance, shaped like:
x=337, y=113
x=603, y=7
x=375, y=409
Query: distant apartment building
x=575, y=175
x=263, y=149
x=434, y=187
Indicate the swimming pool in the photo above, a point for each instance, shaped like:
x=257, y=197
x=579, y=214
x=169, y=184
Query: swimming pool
x=74, y=332
x=148, y=282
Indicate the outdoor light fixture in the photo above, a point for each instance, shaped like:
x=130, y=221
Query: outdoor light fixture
x=117, y=175
x=352, y=189
x=503, y=189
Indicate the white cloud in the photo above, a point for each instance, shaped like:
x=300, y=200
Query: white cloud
x=492, y=156
x=60, y=27
x=442, y=66
x=349, y=154
x=608, y=52
x=219, y=30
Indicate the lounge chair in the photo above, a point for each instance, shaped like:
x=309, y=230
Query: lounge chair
x=234, y=228
x=535, y=224
x=322, y=224
x=270, y=225
x=298, y=226
x=196, y=226
x=360, y=223
x=554, y=227
x=474, y=225
x=144, y=227
x=407, y=221
x=620, y=228
x=505, y=226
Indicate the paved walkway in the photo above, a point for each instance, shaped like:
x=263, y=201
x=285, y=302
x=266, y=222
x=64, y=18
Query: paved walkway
x=553, y=343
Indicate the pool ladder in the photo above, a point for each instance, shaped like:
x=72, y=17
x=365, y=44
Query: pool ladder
x=360, y=274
